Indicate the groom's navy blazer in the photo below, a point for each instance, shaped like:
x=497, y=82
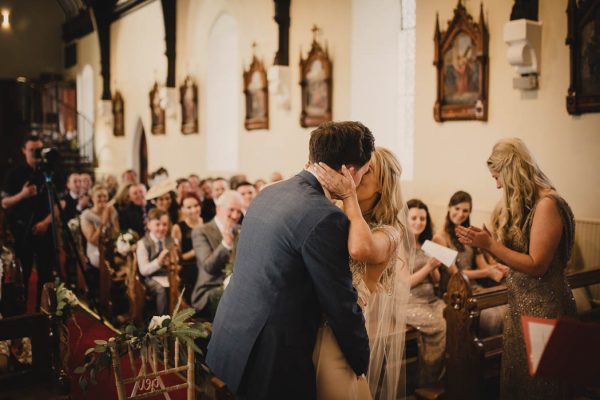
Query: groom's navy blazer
x=291, y=271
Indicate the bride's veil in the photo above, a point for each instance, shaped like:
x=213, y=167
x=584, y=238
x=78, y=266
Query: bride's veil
x=385, y=316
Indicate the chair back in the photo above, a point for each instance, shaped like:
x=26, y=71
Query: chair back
x=148, y=379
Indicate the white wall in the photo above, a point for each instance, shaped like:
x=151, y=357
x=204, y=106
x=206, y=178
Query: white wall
x=451, y=155
x=33, y=44
x=447, y=156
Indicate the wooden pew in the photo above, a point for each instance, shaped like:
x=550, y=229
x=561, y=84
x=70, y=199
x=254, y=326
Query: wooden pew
x=473, y=362
x=18, y=383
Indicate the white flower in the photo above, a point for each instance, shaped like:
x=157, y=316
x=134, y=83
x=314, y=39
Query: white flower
x=123, y=247
x=156, y=321
x=71, y=298
x=226, y=281
x=128, y=237
x=73, y=224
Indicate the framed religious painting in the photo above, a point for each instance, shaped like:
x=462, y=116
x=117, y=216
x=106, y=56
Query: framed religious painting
x=316, y=81
x=256, y=90
x=157, y=111
x=583, y=39
x=188, y=94
x=461, y=61
x=118, y=110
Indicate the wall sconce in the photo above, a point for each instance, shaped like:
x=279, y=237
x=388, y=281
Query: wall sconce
x=524, y=40
x=5, y=20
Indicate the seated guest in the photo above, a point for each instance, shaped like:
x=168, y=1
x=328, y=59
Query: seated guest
x=110, y=181
x=470, y=263
x=133, y=215
x=248, y=192
x=276, y=177
x=235, y=180
x=425, y=309
x=219, y=186
x=129, y=176
x=86, y=182
x=194, y=181
x=183, y=187
x=182, y=234
x=161, y=196
x=70, y=199
x=208, y=203
x=259, y=184
x=213, y=244
x=101, y=218
x=153, y=258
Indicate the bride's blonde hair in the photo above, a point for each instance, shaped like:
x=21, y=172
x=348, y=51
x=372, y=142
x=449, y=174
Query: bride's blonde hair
x=522, y=179
x=387, y=171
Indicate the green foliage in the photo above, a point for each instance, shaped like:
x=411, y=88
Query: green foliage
x=142, y=341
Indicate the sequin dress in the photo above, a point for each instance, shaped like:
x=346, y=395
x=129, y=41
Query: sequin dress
x=426, y=314
x=547, y=297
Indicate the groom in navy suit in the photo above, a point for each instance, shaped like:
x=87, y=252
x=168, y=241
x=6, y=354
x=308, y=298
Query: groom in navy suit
x=291, y=273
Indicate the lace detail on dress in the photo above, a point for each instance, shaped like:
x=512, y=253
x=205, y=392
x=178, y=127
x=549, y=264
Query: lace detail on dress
x=386, y=281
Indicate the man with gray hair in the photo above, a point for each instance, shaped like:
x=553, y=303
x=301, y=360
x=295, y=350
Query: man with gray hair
x=213, y=244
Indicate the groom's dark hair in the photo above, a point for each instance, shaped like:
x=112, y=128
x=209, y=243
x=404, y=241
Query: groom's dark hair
x=337, y=143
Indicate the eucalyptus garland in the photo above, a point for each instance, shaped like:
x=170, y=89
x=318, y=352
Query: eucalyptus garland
x=143, y=341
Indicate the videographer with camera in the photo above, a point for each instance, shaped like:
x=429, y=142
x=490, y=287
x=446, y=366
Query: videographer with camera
x=28, y=214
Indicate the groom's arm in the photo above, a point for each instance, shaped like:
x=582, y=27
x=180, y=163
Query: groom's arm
x=325, y=253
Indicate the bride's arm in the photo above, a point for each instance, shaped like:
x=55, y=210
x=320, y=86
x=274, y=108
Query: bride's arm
x=363, y=244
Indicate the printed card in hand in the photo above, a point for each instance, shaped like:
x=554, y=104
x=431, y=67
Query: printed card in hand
x=443, y=254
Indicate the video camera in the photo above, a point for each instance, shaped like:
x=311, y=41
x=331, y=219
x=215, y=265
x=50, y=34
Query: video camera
x=49, y=158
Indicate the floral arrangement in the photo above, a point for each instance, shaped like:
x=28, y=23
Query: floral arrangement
x=66, y=302
x=126, y=241
x=143, y=341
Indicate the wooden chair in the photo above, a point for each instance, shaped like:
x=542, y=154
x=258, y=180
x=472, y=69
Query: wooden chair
x=147, y=381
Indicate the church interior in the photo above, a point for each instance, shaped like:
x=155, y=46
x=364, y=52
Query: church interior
x=117, y=115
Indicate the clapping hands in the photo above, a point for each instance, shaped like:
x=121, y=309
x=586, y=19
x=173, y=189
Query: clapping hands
x=475, y=237
x=340, y=185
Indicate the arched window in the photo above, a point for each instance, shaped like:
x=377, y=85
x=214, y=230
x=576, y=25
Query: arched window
x=85, y=110
x=223, y=93
x=383, y=73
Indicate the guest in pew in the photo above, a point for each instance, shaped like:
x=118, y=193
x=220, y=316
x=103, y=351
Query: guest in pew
x=182, y=234
x=208, y=202
x=425, y=309
x=469, y=262
x=248, y=192
x=214, y=245
x=182, y=188
x=70, y=199
x=153, y=258
x=259, y=184
x=100, y=219
x=534, y=239
x=219, y=186
x=162, y=196
x=133, y=214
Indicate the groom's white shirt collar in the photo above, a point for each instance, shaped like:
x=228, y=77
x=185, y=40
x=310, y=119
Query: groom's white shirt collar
x=325, y=191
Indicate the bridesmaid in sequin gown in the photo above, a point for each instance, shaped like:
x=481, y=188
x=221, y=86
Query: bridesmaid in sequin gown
x=425, y=310
x=534, y=238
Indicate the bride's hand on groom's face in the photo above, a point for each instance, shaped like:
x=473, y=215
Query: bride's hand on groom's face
x=341, y=185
